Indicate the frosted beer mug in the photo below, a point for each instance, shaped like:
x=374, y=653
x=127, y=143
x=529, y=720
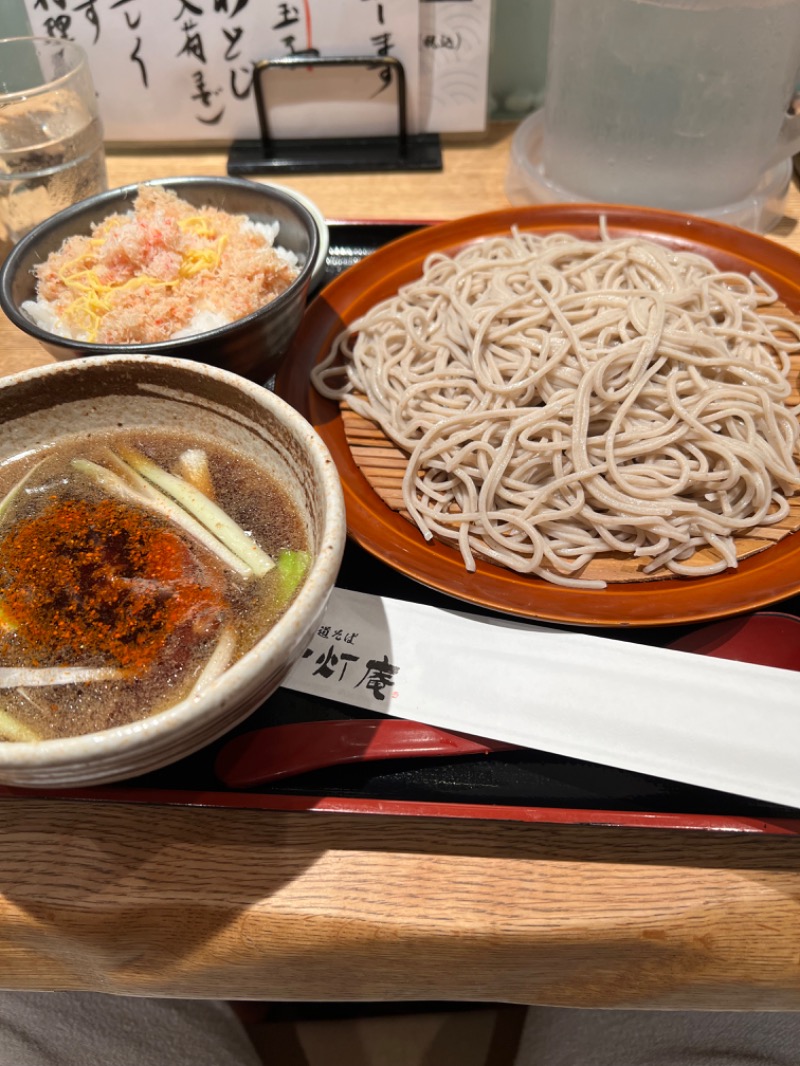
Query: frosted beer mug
x=679, y=104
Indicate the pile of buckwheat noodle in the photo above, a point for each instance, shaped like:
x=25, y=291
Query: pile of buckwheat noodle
x=563, y=399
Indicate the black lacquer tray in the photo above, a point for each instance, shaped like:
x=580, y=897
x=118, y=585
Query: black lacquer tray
x=519, y=785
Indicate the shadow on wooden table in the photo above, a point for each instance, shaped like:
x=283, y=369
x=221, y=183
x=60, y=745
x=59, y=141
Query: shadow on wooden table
x=296, y=907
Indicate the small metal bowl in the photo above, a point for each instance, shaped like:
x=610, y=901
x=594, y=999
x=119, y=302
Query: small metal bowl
x=253, y=346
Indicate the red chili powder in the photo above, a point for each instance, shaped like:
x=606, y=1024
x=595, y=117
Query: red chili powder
x=86, y=580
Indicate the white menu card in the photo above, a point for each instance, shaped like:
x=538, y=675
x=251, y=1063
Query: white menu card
x=181, y=70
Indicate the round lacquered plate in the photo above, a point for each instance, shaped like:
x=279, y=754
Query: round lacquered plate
x=761, y=579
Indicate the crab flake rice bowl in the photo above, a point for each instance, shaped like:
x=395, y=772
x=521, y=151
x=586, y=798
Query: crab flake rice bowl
x=165, y=270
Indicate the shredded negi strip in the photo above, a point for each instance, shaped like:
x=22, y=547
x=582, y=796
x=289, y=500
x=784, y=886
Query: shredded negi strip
x=10, y=497
x=193, y=467
x=12, y=729
x=49, y=676
x=217, y=663
x=146, y=496
x=204, y=510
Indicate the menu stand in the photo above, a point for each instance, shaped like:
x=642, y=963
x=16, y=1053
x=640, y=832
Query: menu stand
x=332, y=155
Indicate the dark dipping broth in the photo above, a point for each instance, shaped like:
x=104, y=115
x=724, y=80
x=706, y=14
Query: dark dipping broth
x=95, y=580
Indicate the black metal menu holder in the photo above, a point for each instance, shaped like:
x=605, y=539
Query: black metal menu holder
x=336, y=154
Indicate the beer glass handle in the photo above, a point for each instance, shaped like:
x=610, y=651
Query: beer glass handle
x=789, y=137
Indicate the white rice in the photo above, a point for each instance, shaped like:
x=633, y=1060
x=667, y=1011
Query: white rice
x=201, y=322
x=269, y=231
x=42, y=313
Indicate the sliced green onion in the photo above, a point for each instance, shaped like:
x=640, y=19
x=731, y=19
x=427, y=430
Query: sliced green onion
x=7, y=623
x=218, y=662
x=216, y=520
x=14, y=491
x=12, y=729
x=292, y=568
x=40, y=676
x=193, y=467
x=145, y=495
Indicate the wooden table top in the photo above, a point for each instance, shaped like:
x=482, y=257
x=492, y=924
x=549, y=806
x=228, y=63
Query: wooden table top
x=319, y=906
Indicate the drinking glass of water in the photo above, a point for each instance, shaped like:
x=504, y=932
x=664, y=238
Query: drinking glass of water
x=676, y=104
x=51, y=137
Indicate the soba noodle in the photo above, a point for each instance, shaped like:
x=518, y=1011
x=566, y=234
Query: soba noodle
x=562, y=399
